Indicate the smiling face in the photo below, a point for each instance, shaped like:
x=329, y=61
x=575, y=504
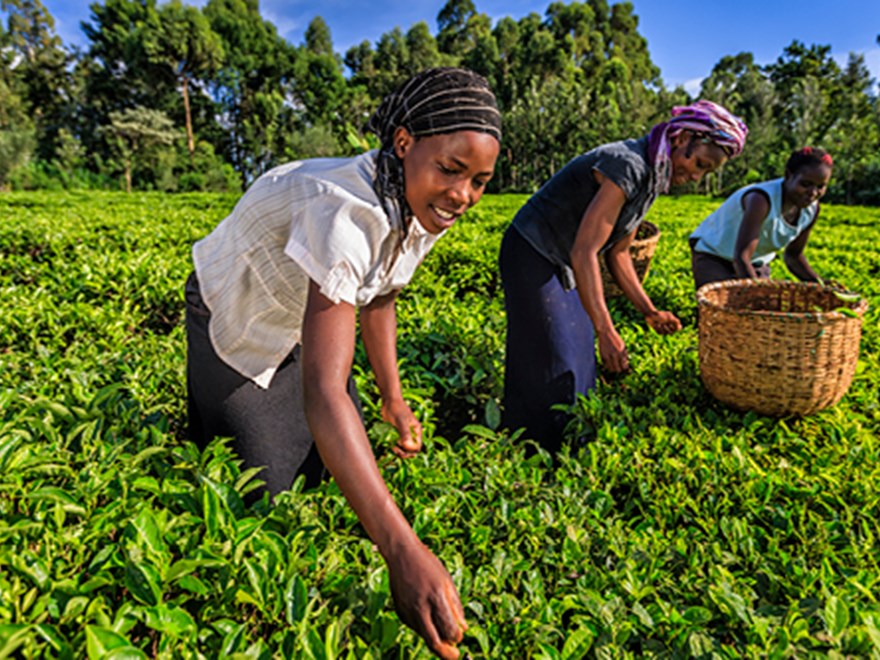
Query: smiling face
x=445, y=174
x=692, y=158
x=806, y=185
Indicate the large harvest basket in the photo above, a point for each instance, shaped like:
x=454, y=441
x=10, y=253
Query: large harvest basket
x=778, y=348
x=641, y=250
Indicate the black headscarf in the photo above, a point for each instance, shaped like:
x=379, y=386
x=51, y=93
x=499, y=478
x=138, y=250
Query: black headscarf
x=435, y=101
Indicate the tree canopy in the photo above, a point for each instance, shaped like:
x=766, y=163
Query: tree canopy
x=246, y=99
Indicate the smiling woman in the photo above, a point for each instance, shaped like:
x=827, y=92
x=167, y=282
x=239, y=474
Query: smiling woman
x=445, y=174
x=272, y=311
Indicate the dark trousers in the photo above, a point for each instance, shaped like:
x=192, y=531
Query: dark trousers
x=550, y=350
x=708, y=268
x=268, y=426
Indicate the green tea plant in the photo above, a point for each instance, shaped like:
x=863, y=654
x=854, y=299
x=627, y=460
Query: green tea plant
x=671, y=526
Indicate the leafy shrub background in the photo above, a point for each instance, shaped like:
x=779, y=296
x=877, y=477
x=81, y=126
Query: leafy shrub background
x=675, y=528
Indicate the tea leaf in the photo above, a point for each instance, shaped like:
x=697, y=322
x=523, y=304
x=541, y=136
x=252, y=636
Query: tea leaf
x=836, y=616
x=103, y=643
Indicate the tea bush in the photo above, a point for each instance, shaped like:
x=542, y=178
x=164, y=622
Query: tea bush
x=673, y=526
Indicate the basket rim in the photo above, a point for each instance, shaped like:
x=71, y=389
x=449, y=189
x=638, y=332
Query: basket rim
x=859, y=307
x=652, y=237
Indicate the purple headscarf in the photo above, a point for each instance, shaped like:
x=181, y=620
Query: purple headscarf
x=706, y=120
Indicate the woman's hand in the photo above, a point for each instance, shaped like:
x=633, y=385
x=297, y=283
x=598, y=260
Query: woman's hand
x=425, y=598
x=664, y=323
x=400, y=416
x=612, y=350
x=423, y=592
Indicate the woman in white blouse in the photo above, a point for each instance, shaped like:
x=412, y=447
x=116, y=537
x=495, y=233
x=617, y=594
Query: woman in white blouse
x=273, y=303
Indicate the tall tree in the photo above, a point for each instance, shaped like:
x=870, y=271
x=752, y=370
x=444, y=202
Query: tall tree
x=181, y=39
x=481, y=54
x=506, y=33
x=318, y=38
x=739, y=84
x=16, y=128
x=117, y=71
x=122, y=74
x=573, y=26
x=392, y=57
x=37, y=71
x=808, y=85
x=30, y=28
x=252, y=86
x=854, y=138
x=452, y=20
x=423, y=50
x=320, y=85
x=135, y=131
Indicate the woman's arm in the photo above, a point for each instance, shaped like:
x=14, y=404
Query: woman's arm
x=596, y=226
x=796, y=260
x=423, y=592
x=756, y=206
x=621, y=267
x=379, y=332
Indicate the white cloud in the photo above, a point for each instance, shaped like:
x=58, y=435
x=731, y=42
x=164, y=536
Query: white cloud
x=286, y=25
x=692, y=86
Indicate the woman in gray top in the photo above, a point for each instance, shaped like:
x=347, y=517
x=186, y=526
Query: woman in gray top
x=550, y=261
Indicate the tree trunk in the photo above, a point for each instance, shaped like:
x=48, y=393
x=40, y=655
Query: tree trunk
x=128, y=175
x=190, y=142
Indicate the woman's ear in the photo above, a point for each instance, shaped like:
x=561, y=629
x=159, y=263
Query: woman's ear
x=403, y=141
x=680, y=139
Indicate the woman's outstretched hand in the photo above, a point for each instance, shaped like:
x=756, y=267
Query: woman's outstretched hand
x=425, y=598
x=400, y=416
x=664, y=323
x=612, y=350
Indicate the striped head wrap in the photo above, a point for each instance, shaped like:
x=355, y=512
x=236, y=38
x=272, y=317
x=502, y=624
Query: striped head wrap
x=434, y=101
x=708, y=122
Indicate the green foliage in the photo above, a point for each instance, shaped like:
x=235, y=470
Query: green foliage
x=576, y=77
x=672, y=526
x=137, y=132
x=182, y=40
x=203, y=170
x=36, y=72
x=16, y=148
x=312, y=142
x=251, y=85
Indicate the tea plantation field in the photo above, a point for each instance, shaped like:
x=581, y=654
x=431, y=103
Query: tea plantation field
x=677, y=529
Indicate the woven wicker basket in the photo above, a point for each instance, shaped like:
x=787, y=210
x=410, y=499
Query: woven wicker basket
x=778, y=348
x=641, y=250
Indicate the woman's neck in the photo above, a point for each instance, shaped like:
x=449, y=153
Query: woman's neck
x=790, y=211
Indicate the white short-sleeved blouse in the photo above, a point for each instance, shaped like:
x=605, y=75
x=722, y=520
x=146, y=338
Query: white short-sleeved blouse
x=316, y=219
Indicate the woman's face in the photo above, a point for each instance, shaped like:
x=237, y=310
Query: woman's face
x=445, y=174
x=692, y=158
x=807, y=185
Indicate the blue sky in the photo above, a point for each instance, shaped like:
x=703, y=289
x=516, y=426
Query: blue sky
x=685, y=38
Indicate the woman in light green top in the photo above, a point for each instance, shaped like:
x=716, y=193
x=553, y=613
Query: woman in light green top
x=741, y=238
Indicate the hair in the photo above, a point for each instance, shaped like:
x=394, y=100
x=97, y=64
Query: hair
x=805, y=157
x=708, y=122
x=433, y=102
